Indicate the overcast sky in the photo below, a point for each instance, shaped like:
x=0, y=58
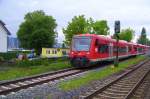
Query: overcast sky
x=132, y=13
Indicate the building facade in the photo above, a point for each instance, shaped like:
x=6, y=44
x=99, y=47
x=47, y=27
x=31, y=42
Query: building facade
x=3, y=37
x=13, y=43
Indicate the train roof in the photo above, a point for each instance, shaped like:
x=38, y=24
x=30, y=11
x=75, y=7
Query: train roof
x=106, y=39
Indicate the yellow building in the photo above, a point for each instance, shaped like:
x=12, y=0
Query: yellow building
x=54, y=52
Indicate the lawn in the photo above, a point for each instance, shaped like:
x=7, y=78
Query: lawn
x=99, y=74
x=21, y=71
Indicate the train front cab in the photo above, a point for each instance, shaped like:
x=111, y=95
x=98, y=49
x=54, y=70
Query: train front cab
x=100, y=48
x=80, y=51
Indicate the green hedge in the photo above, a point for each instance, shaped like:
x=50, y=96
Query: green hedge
x=38, y=62
x=28, y=63
x=8, y=56
x=12, y=54
x=1, y=59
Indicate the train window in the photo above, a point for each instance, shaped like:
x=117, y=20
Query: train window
x=135, y=48
x=115, y=49
x=140, y=49
x=122, y=49
x=103, y=48
x=81, y=44
x=130, y=48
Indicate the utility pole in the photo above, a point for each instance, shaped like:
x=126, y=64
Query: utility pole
x=117, y=31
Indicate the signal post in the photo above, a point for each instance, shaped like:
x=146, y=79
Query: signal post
x=117, y=31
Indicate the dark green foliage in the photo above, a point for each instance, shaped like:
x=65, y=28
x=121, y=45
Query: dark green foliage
x=12, y=54
x=8, y=56
x=148, y=42
x=38, y=62
x=37, y=31
x=76, y=26
x=80, y=25
x=101, y=27
x=125, y=34
x=63, y=45
x=1, y=59
x=143, y=38
x=29, y=63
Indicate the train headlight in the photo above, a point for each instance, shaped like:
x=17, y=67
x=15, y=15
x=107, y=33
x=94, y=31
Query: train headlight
x=72, y=52
x=88, y=53
x=96, y=49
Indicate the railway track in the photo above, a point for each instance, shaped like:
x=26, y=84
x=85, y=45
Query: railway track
x=23, y=83
x=16, y=85
x=125, y=86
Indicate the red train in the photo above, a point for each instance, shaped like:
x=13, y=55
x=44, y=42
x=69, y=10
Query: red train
x=91, y=48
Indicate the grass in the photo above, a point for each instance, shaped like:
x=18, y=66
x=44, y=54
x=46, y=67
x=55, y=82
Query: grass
x=97, y=75
x=16, y=71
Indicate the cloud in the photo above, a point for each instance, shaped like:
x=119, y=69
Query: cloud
x=131, y=13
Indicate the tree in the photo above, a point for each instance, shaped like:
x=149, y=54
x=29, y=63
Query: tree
x=76, y=26
x=63, y=45
x=101, y=27
x=37, y=31
x=143, y=38
x=148, y=42
x=80, y=25
x=126, y=34
x=89, y=26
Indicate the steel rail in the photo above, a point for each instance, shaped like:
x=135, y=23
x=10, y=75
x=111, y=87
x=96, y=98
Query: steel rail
x=136, y=85
x=90, y=96
x=26, y=85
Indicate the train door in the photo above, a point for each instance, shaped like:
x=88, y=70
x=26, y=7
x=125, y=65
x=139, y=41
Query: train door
x=127, y=50
x=110, y=51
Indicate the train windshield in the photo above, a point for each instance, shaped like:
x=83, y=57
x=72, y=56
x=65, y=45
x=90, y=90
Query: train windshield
x=81, y=44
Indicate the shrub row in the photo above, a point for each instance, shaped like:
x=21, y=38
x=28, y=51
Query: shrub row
x=8, y=56
x=12, y=54
x=38, y=62
x=1, y=59
x=28, y=63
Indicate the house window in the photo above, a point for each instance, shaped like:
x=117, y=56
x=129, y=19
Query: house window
x=53, y=52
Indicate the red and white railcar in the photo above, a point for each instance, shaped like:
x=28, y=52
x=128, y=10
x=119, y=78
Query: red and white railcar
x=91, y=48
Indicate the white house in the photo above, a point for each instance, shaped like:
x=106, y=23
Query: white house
x=3, y=37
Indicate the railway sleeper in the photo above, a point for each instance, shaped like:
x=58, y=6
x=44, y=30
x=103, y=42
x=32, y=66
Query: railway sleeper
x=124, y=86
x=103, y=96
x=108, y=93
x=120, y=88
x=114, y=90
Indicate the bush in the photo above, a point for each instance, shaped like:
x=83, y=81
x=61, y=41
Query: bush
x=12, y=54
x=1, y=59
x=8, y=56
x=28, y=63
